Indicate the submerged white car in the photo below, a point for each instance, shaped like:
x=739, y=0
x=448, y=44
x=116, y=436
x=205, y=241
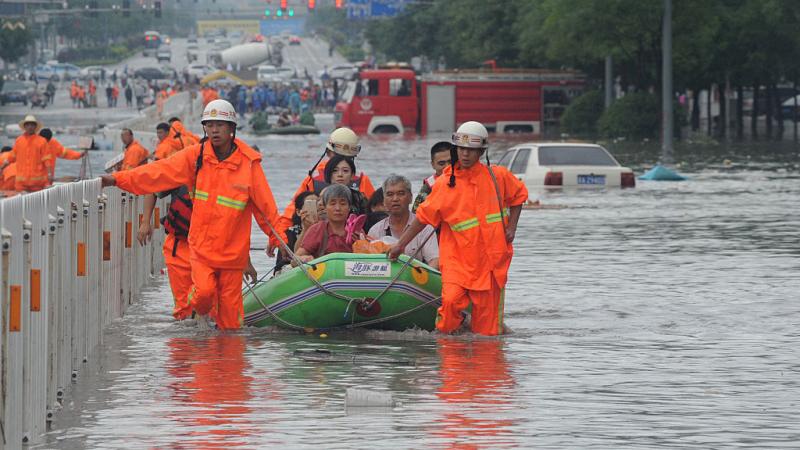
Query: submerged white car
x=557, y=164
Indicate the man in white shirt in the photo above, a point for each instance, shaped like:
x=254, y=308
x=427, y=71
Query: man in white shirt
x=397, y=199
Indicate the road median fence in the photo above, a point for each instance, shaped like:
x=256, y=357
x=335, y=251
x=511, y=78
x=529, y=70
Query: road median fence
x=70, y=266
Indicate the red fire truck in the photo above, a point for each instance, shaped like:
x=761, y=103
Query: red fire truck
x=506, y=101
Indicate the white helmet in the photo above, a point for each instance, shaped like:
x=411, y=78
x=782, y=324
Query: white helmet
x=471, y=135
x=343, y=141
x=219, y=110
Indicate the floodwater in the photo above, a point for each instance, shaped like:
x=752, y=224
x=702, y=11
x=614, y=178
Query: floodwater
x=661, y=316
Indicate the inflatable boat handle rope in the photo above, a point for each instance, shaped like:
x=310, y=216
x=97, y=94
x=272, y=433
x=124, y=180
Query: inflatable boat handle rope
x=366, y=303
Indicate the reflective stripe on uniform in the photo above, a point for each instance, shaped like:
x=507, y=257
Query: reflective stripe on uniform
x=230, y=203
x=465, y=225
x=200, y=195
x=496, y=217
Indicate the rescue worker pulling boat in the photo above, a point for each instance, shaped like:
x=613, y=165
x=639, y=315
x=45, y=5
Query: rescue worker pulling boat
x=477, y=207
x=229, y=189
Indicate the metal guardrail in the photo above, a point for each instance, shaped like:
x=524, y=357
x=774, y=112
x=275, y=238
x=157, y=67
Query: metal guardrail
x=70, y=266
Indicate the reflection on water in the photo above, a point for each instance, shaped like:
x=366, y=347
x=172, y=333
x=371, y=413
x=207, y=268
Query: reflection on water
x=479, y=389
x=660, y=316
x=208, y=377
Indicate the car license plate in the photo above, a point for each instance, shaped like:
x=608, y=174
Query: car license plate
x=591, y=179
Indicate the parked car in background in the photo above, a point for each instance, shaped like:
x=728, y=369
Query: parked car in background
x=44, y=72
x=15, y=92
x=790, y=107
x=192, y=52
x=56, y=71
x=558, y=164
x=164, y=53
x=198, y=70
x=151, y=73
x=286, y=73
x=94, y=72
x=294, y=40
x=267, y=74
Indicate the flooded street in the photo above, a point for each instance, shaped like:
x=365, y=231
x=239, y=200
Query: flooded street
x=660, y=316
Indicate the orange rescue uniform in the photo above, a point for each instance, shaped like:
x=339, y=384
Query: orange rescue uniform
x=165, y=149
x=363, y=181
x=32, y=157
x=135, y=156
x=181, y=136
x=57, y=150
x=473, y=253
x=179, y=270
x=227, y=195
x=9, y=172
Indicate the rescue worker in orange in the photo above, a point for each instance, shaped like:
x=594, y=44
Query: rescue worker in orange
x=56, y=150
x=81, y=96
x=73, y=93
x=180, y=135
x=92, y=93
x=477, y=208
x=8, y=169
x=229, y=188
x=135, y=154
x=342, y=141
x=209, y=95
x=165, y=147
x=31, y=154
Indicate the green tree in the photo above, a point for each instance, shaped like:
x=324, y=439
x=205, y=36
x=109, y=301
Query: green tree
x=582, y=114
x=14, y=43
x=634, y=116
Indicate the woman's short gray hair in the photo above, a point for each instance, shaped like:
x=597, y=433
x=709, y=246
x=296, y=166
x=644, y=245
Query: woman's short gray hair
x=336, y=191
x=396, y=179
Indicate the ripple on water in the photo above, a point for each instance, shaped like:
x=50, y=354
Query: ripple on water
x=661, y=316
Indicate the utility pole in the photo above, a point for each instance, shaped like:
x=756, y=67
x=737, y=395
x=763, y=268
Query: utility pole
x=666, y=86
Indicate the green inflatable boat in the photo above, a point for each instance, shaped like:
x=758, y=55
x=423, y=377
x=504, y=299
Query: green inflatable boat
x=347, y=290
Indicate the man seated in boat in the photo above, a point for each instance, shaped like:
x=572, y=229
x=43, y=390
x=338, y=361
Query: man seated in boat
x=397, y=199
x=330, y=235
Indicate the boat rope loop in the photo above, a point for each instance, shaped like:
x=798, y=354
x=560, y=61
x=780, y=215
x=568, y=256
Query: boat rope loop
x=364, y=302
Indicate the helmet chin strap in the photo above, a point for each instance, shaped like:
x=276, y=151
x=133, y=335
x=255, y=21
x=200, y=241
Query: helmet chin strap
x=311, y=172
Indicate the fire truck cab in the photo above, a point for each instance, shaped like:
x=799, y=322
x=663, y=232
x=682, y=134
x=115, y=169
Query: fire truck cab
x=380, y=102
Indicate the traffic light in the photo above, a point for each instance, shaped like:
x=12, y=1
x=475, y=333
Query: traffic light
x=284, y=4
x=157, y=6
x=312, y=4
x=339, y=4
x=279, y=12
x=126, y=8
x=291, y=12
x=267, y=12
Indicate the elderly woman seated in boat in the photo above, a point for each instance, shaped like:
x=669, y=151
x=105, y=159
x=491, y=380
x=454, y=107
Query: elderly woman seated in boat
x=341, y=170
x=330, y=235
